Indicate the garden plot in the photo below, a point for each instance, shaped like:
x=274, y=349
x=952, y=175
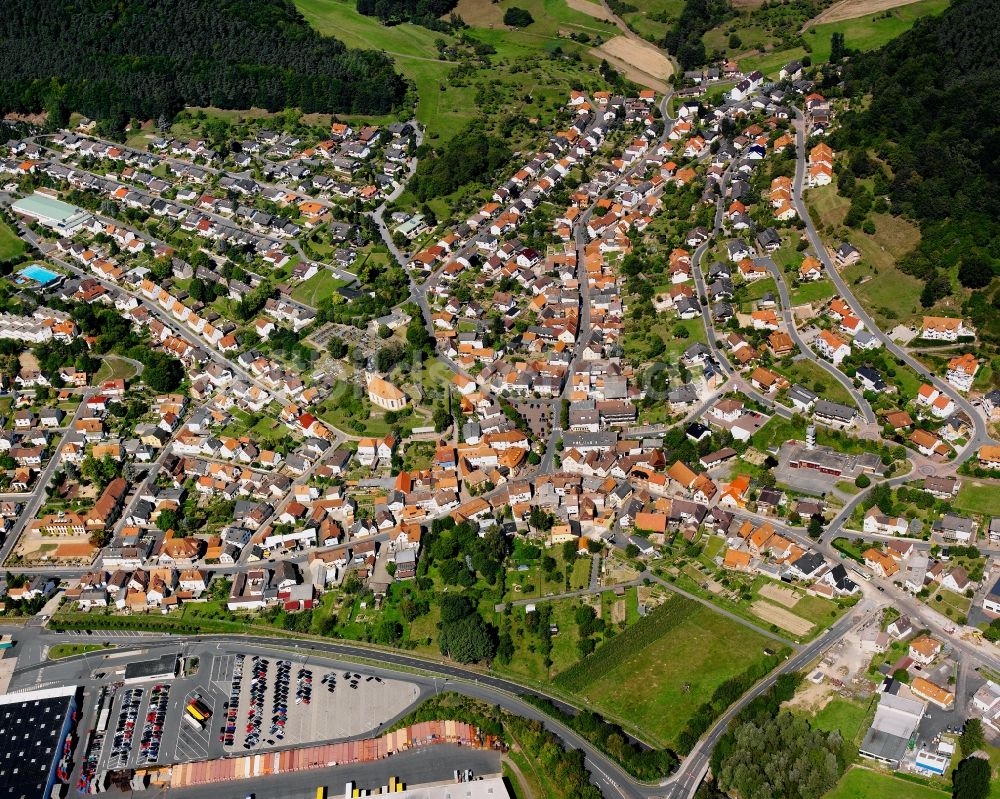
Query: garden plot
x=784, y=619
x=780, y=594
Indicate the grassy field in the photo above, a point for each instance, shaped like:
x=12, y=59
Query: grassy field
x=777, y=430
x=868, y=33
x=978, y=497
x=658, y=686
x=950, y=603
x=11, y=244
x=889, y=294
x=810, y=374
x=650, y=19
x=113, y=368
x=323, y=284
x=842, y=715
x=860, y=783
x=816, y=291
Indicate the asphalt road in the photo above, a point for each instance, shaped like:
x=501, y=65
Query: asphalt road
x=981, y=435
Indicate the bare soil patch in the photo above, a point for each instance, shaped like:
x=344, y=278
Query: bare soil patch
x=28, y=361
x=618, y=612
x=812, y=698
x=784, y=619
x=849, y=9
x=641, y=62
x=482, y=14
x=780, y=594
x=595, y=10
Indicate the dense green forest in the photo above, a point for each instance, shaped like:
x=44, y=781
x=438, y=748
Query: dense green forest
x=473, y=155
x=932, y=121
x=115, y=59
x=422, y=12
x=684, y=38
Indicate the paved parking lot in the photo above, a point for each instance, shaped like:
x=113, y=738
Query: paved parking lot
x=343, y=712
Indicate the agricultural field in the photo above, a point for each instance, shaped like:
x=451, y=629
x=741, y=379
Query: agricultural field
x=653, y=676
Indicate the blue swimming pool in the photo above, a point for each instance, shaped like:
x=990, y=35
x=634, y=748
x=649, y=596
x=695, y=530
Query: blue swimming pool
x=39, y=274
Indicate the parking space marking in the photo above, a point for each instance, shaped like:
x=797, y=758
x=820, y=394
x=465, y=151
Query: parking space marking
x=222, y=671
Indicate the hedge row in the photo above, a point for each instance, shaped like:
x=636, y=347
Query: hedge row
x=644, y=764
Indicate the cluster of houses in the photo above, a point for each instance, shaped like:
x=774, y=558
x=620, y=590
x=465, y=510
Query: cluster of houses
x=760, y=549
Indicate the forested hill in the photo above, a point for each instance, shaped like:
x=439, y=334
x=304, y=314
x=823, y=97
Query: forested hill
x=933, y=118
x=112, y=59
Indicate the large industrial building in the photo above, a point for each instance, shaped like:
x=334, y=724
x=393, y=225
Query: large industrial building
x=63, y=218
x=34, y=729
x=895, y=723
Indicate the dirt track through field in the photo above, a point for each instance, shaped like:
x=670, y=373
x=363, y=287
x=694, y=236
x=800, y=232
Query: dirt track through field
x=639, y=60
x=772, y=614
x=849, y=9
x=780, y=594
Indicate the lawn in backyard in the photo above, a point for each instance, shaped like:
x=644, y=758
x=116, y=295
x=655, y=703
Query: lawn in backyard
x=952, y=605
x=11, y=244
x=676, y=344
x=861, y=783
x=815, y=291
x=978, y=497
x=656, y=688
x=321, y=285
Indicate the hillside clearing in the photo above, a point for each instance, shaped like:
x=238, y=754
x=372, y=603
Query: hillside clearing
x=642, y=62
x=849, y=9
